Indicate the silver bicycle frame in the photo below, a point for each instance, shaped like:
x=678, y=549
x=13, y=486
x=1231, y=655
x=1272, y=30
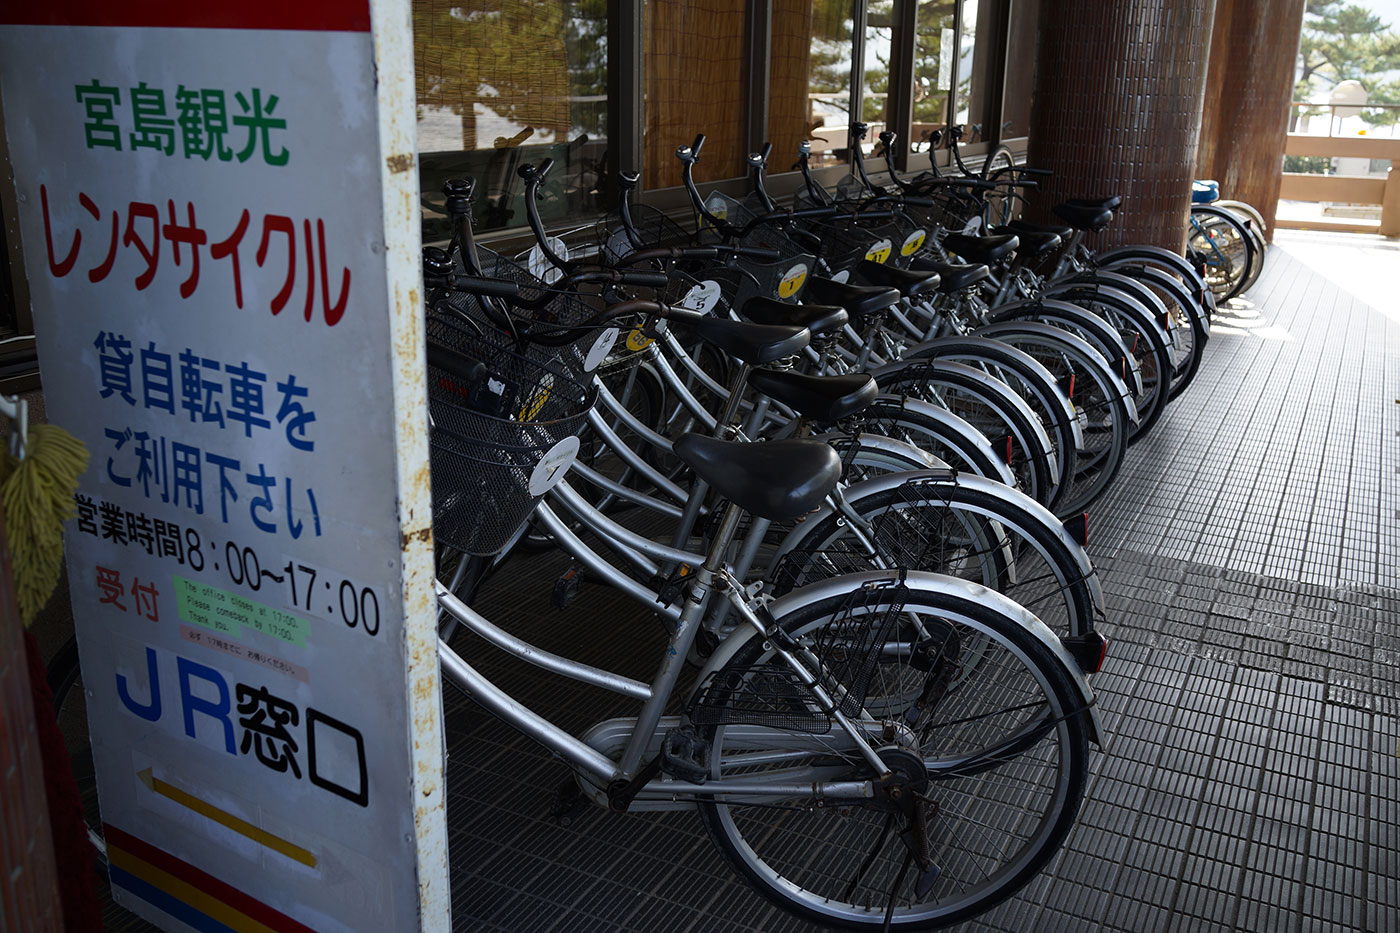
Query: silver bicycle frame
x=710, y=576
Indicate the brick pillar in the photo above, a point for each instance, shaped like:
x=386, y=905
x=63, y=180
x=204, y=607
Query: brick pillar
x=28, y=885
x=1244, y=125
x=1117, y=110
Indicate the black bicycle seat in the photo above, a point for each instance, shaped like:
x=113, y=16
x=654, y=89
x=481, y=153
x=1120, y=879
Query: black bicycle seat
x=1033, y=242
x=1082, y=217
x=822, y=398
x=986, y=249
x=860, y=301
x=819, y=319
x=777, y=480
x=954, y=277
x=1024, y=226
x=754, y=344
x=911, y=283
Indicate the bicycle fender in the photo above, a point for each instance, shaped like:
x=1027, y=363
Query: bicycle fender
x=891, y=447
x=928, y=582
x=1050, y=332
x=1165, y=256
x=970, y=435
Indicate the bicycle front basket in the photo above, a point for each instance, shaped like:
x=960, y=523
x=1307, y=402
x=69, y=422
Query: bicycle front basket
x=491, y=433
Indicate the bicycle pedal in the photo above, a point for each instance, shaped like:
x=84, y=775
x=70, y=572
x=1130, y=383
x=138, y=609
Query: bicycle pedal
x=685, y=756
x=668, y=591
x=566, y=588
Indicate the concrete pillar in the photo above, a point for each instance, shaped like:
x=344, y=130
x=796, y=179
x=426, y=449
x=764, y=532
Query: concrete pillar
x=1117, y=110
x=1244, y=124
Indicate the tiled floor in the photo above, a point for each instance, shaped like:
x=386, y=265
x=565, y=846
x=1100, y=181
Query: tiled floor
x=1251, y=698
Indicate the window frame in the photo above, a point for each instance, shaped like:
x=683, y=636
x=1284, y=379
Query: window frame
x=626, y=110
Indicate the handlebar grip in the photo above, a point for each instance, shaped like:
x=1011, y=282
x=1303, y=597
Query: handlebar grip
x=1043, y=172
x=543, y=171
x=756, y=252
x=804, y=149
x=918, y=202
x=859, y=129
x=479, y=285
x=766, y=151
x=649, y=279
x=955, y=132
x=696, y=252
x=456, y=364
x=628, y=180
x=888, y=137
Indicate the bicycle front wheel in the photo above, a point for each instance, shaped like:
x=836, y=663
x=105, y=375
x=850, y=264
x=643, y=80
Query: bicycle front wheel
x=989, y=735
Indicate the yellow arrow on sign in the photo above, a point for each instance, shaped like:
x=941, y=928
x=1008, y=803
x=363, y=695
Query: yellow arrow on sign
x=224, y=818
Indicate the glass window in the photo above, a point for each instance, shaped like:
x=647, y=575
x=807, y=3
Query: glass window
x=875, y=91
x=973, y=102
x=694, y=73
x=1020, y=69
x=502, y=82
x=809, y=95
x=934, y=46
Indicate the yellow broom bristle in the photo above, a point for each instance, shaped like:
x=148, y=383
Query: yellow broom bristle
x=37, y=495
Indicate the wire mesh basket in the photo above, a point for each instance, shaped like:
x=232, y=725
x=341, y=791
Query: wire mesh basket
x=653, y=228
x=895, y=240
x=782, y=278
x=560, y=312
x=495, y=418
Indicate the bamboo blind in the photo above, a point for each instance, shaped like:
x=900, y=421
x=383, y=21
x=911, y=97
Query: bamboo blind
x=507, y=55
x=695, y=83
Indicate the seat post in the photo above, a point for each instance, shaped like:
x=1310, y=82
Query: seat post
x=736, y=398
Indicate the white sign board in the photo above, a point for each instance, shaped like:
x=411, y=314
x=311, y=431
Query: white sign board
x=218, y=212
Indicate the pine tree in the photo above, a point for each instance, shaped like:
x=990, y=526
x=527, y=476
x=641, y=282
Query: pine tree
x=1342, y=42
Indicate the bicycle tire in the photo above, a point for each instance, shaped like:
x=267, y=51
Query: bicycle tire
x=1243, y=208
x=1025, y=553
x=1163, y=259
x=1099, y=396
x=1223, y=242
x=990, y=406
x=1027, y=376
x=1192, y=325
x=1106, y=340
x=1001, y=205
x=938, y=432
x=1144, y=335
x=1014, y=765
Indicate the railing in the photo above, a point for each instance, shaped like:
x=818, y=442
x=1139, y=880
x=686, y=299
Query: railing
x=1382, y=190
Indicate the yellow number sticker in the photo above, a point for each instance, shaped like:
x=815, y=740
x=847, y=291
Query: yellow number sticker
x=637, y=340
x=792, y=280
x=880, y=251
x=912, y=243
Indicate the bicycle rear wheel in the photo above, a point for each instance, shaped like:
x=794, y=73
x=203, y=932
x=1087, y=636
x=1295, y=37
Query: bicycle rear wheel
x=996, y=755
x=1221, y=241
